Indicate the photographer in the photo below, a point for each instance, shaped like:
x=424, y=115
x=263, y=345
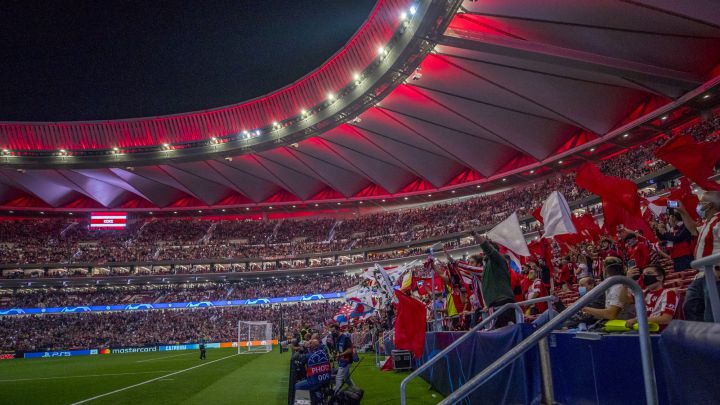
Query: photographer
x=344, y=353
x=316, y=371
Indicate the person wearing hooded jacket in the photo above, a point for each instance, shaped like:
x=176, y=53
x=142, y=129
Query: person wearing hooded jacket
x=496, y=289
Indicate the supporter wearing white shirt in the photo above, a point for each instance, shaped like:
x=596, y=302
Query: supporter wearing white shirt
x=616, y=297
x=709, y=234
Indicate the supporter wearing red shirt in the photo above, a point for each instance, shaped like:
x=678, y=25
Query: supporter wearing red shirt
x=679, y=242
x=537, y=290
x=637, y=251
x=660, y=303
x=516, y=284
x=563, y=273
x=525, y=282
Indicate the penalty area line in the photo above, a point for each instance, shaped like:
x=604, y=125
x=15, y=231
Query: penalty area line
x=149, y=381
x=83, y=376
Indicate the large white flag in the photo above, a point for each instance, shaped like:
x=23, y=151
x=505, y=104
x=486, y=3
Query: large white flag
x=509, y=234
x=556, y=216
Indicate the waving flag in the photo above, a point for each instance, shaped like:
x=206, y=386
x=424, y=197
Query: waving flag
x=343, y=315
x=509, y=234
x=556, y=215
x=620, y=200
x=410, y=324
x=694, y=160
x=360, y=309
x=361, y=302
x=587, y=227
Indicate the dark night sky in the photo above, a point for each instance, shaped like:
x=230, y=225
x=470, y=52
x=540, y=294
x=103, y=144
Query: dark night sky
x=79, y=60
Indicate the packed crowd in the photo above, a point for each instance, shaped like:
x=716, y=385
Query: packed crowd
x=246, y=239
x=185, y=292
x=454, y=301
x=139, y=328
x=570, y=267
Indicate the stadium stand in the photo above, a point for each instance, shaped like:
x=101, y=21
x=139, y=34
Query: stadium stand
x=262, y=243
x=592, y=132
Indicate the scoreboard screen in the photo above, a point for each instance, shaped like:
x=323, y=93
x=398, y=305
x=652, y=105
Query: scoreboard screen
x=108, y=220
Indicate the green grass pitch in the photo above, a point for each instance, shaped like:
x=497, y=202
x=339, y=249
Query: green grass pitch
x=174, y=378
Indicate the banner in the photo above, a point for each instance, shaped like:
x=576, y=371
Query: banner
x=62, y=353
x=170, y=305
x=125, y=350
x=193, y=346
x=135, y=349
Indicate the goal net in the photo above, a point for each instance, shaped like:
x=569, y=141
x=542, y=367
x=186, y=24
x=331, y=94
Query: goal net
x=254, y=337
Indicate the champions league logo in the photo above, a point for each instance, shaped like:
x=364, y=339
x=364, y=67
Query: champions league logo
x=258, y=301
x=76, y=309
x=135, y=307
x=14, y=311
x=199, y=304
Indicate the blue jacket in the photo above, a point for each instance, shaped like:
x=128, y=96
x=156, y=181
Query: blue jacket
x=317, y=367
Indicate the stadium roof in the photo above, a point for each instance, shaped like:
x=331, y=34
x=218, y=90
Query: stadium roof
x=428, y=96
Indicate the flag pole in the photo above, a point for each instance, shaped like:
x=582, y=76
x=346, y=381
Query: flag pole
x=432, y=292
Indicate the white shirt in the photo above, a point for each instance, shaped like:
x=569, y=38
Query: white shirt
x=613, y=296
x=709, y=238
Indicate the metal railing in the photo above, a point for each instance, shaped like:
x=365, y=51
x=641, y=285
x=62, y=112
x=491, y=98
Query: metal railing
x=519, y=318
x=498, y=365
x=706, y=265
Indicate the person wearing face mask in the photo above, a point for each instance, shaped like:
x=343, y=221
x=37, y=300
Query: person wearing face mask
x=617, y=305
x=708, y=209
x=586, y=282
x=679, y=243
x=660, y=303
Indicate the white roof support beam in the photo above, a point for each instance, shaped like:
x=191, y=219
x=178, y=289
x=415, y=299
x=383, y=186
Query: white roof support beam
x=573, y=58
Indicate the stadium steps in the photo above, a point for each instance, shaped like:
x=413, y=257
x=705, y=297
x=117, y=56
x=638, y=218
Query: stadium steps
x=229, y=293
x=208, y=234
x=331, y=233
x=274, y=233
x=160, y=298
x=67, y=228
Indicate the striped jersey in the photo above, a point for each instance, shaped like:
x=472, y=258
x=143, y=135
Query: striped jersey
x=708, y=242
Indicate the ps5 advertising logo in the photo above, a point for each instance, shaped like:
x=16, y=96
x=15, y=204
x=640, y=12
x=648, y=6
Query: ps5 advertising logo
x=57, y=354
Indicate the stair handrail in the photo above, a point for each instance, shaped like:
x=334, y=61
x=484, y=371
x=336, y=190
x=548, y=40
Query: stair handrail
x=519, y=318
x=651, y=395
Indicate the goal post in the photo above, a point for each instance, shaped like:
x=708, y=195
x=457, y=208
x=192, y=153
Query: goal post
x=254, y=337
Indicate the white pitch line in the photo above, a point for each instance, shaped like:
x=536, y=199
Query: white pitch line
x=83, y=376
x=162, y=358
x=149, y=381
